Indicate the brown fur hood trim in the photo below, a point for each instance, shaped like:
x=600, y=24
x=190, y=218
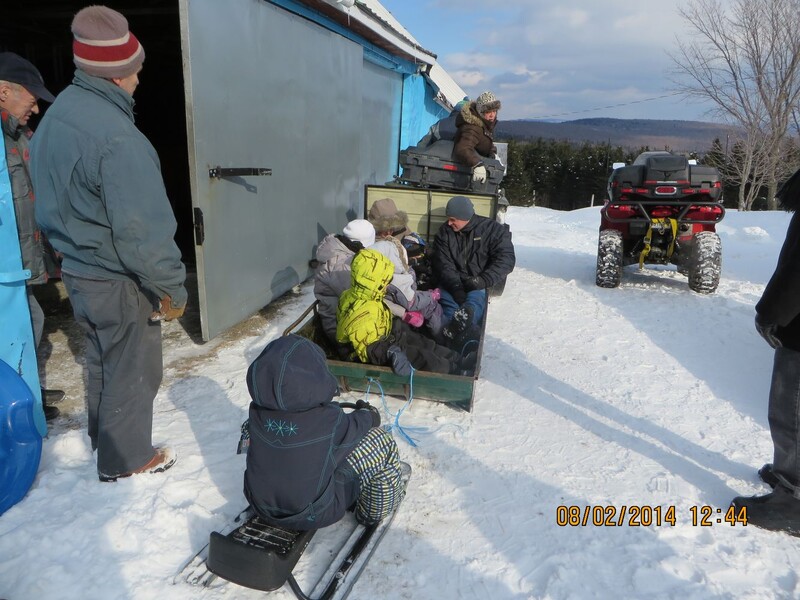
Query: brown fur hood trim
x=469, y=113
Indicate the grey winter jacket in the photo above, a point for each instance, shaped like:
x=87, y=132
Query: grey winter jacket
x=100, y=195
x=331, y=279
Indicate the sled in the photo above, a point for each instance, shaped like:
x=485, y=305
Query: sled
x=252, y=553
x=457, y=391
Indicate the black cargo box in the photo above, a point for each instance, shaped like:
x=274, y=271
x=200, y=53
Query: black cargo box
x=433, y=167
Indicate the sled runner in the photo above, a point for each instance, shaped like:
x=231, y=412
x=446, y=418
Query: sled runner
x=251, y=553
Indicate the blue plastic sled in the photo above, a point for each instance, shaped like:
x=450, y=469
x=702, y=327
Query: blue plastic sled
x=20, y=441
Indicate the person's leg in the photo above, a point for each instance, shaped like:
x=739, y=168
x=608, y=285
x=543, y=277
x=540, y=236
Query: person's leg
x=449, y=305
x=784, y=418
x=377, y=464
x=125, y=370
x=477, y=300
x=37, y=323
x=37, y=317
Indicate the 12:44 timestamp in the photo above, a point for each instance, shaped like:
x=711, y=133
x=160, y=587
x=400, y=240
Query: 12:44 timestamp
x=706, y=516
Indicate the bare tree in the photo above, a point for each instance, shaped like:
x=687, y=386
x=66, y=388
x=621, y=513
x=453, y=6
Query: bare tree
x=744, y=56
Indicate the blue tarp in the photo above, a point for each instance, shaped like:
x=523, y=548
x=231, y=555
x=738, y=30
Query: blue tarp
x=16, y=333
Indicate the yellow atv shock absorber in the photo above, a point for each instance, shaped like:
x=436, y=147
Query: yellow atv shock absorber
x=661, y=225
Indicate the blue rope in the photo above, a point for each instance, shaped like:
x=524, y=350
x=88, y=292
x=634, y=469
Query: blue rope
x=394, y=419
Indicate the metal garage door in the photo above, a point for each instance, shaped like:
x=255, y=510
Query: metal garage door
x=266, y=89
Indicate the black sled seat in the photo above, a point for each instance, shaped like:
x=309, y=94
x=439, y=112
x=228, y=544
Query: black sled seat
x=433, y=167
x=257, y=555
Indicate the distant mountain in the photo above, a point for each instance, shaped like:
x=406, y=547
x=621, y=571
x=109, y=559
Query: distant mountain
x=679, y=136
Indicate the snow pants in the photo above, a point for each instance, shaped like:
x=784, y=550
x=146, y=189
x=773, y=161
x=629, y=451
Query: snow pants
x=124, y=369
x=784, y=418
x=377, y=464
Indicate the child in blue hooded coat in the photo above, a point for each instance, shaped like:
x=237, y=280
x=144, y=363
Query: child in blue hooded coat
x=308, y=460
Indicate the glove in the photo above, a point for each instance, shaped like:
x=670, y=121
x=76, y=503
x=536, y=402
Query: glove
x=167, y=312
x=399, y=361
x=479, y=174
x=376, y=415
x=414, y=318
x=474, y=283
x=436, y=293
x=768, y=331
x=459, y=295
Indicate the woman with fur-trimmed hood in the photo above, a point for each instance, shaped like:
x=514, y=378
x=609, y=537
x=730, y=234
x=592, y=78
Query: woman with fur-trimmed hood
x=475, y=136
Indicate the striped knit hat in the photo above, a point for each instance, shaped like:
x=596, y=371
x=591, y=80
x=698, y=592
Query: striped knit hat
x=103, y=46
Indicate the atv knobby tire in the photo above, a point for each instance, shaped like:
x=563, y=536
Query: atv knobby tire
x=705, y=262
x=609, y=258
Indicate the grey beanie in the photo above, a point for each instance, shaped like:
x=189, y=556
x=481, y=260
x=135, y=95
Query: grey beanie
x=487, y=101
x=460, y=207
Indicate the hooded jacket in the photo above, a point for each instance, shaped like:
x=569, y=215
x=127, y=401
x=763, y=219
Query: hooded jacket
x=296, y=475
x=332, y=277
x=100, y=197
x=363, y=318
x=780, y=302
x=483, y=247
x=474, y=138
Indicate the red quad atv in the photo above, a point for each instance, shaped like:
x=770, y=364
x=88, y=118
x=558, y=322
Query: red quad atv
x=662, y=209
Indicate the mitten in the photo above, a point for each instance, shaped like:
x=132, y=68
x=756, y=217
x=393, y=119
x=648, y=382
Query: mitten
x=436, y=293
x=479, y=174
x=399, y=361
x=376, y=415
x=768, y=331
x=474, y=283
x=414, y=318
x=459, y=295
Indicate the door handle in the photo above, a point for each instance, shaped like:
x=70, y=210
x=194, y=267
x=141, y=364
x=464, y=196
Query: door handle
x=220, y=172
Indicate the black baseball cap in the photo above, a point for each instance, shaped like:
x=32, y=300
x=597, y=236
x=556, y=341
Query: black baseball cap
x=16, y=69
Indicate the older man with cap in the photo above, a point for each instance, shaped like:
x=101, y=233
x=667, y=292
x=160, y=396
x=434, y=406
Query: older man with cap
x=471, y=253
x=21, y=87
x=103, y=206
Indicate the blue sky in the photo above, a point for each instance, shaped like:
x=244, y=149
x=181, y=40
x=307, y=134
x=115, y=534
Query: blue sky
x=558, y=60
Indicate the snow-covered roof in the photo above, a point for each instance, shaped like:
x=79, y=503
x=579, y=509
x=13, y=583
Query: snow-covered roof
x=371, y=20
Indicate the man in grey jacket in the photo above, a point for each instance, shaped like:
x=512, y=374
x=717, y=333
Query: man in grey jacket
x=21, y=88
x=102, y=202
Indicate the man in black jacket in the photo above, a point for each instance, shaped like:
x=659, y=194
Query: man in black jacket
x=471, y=253
x=778, y=322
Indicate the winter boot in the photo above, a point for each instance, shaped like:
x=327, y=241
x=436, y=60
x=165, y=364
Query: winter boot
x=162, y=460
x=462, y=319
x=777, y=511
x=52, y=396
x=767, y=476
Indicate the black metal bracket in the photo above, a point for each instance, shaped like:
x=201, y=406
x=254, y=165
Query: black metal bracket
x=220, y=172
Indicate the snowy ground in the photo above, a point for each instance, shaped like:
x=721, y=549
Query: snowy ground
x=648, y=395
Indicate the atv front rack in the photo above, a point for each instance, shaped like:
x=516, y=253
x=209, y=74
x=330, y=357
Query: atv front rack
x=640, y=214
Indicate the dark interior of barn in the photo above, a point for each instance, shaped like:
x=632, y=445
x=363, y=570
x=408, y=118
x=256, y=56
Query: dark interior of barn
x=40, y=31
